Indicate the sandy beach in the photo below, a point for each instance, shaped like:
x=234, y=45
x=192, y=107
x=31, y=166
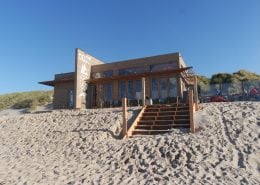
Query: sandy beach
x=83, y=147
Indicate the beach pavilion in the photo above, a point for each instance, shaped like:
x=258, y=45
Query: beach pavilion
x=95, y=84
x=163, y=80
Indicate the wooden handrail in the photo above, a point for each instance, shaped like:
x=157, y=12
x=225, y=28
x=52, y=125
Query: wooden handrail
x=131, y=129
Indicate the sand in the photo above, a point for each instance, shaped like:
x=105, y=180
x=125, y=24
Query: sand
x=83, y=147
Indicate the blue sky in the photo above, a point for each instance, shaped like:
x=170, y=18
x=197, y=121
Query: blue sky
x=38, y=38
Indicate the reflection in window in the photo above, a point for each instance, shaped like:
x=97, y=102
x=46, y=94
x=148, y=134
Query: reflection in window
x=122, y=89
x=108, y=96
x=130, y=93
x=134, y=70
x=173, y=87
x=163, y=88
x=138, y=86
x=102, y=93
x=165, y=66
x=102, y=74
x=155, y=88
x=107, y=73
x=106, y=92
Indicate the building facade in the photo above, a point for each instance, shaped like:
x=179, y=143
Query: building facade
x=96, y=84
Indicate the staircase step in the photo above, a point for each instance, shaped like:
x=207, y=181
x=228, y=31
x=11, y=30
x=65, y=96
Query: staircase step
x=150, y=114
x=163, y=118
x=182, y=121
x=164, y=110
x=157, y=117
x=183, y=112
x=159, y=109
x=150, y=132
x=182, y=116
x=161, y=127
x=172, y=117
x=167, y=105
x=182, y=108
x=166, y=113
x=163, y=122
x=160, y=122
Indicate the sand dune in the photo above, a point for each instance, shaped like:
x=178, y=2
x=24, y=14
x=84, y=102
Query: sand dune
x=82, y=147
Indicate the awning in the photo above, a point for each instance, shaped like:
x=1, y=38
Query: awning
x=53, y=82
x=135, y=76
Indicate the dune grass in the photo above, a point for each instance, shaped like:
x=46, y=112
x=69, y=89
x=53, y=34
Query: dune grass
x=21, y=100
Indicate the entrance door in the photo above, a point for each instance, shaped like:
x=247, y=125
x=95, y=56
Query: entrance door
x=92, y=96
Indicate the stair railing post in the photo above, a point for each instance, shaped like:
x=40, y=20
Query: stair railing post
x=196, y=97
x=124, y=106
x=191, y=110
x=143, y=91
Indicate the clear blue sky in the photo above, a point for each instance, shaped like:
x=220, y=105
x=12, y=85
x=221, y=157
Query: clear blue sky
x=38, y=37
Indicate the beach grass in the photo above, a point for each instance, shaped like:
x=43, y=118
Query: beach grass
x=21, y=100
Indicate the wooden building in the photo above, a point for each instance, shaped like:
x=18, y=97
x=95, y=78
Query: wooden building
x=97, y=84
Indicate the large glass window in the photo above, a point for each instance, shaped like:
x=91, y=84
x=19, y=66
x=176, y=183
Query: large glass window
x=106, y=92
x=138, y=86
x=134, y=70
x=173, y=87
x=102, y=92
x=102, y=74
x=122, y=89
x=155, y=92
x=164, y=88
x=165, y=66
x=109, y=92
x=130, y=92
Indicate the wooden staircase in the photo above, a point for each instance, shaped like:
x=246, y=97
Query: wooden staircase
x=160, y=119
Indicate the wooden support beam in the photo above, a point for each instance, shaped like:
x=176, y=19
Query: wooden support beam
x=124, y=106
x=143, y=91
x=196, y=97
x=191, y=109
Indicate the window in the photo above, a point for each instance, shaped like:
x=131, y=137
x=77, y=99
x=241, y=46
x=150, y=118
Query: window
x=130, y=93
x=102, y=74
x=155, y=92
x=173, y=87
x=122, y=89
x=106, y=92
x=164, y=93
x=135, y=70
x=108, y=96
x=138, y=86
x=165, y=66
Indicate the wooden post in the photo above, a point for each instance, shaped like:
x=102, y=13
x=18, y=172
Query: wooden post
x=124, y=116
x=191, y=110
x=196, y=98
x=143, y=91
